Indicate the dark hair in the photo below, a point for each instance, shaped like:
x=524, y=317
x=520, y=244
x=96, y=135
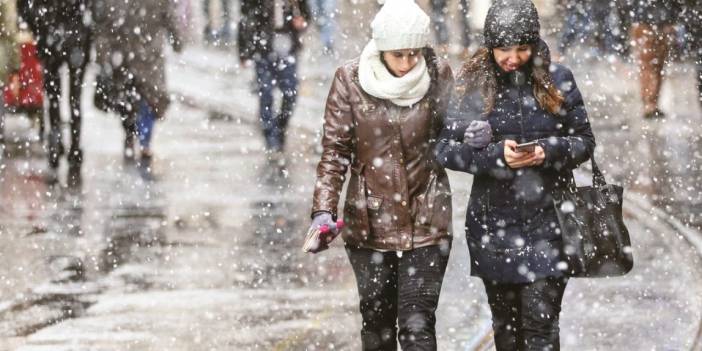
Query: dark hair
x=480, y=72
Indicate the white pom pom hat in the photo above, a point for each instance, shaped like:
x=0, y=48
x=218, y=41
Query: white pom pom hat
x=400, y=24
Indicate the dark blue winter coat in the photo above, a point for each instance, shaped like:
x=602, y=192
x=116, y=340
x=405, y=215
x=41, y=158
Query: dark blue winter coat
x=512, y=229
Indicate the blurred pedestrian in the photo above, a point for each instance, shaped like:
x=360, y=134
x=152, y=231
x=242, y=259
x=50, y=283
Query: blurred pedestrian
x=511, y=223
x=383, y=114
x=63, y=34
x=653, y=32
x=9, y=58
x=323, y=15
x=223, y=33
x=130, y=44
x=691, y=20
x=591, y=19
x=439, y=12
x=269, y=35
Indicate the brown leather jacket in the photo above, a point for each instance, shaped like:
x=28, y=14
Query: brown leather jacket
x=398, y=197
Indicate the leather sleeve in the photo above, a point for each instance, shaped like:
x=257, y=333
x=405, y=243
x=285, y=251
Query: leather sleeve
x=444, y=95
x=338, y=146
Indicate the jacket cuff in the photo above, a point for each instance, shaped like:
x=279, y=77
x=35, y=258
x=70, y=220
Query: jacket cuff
x=316, y=212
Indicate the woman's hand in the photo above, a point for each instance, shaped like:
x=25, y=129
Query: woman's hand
x=523, y=159
x=478, y=134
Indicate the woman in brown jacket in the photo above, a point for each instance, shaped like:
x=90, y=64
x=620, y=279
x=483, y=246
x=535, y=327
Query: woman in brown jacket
x=383, y=115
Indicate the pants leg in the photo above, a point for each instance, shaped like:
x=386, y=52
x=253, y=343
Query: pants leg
x=265, y=78
x=540, y=310
x=226, y=18
x=76, y=74
x=288, y=83
x=504, y=306
x=465, y=22
x=129, y=107
x=146, y=119
x=376, y=277
x=208, y=18
x=652, y=44
x=327, y=25
x=52, y=86
x=438, y=8
x=420, y=276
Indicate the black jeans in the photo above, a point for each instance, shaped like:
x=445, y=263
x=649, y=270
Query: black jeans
x=400, y=291
x=525, y=316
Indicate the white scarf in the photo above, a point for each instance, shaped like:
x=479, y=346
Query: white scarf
x=377, y=81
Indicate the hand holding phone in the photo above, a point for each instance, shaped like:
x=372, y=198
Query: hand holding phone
x=523, y=155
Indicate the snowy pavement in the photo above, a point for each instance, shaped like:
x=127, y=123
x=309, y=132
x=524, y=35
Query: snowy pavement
x=208, y=256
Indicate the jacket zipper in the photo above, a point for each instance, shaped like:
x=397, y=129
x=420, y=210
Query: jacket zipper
x=521, y=114
x=521, y=134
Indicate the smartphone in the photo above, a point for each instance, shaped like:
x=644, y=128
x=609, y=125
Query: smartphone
x=526, y=147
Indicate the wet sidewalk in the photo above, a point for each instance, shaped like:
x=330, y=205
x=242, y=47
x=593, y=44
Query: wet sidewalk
x=207, y=256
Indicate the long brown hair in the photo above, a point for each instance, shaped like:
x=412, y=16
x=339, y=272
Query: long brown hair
x=480, y=72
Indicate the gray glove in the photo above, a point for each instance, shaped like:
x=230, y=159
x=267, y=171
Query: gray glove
x=478, y=134
x=315, y=241
x=321, y=218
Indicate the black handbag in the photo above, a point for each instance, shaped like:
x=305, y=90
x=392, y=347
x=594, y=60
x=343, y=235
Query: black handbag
x=596, y=242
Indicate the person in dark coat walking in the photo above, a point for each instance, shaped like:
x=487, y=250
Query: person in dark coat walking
x=269, y=35
x=62, y=31
x=133, y=62
x=512, y=229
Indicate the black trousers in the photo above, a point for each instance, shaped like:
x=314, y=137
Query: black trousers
x=525, y=316
x=399, y=296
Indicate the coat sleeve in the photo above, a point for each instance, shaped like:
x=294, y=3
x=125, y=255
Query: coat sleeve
x=576, y=143
x=337, y=144
x=443, y=97
x=453, y=154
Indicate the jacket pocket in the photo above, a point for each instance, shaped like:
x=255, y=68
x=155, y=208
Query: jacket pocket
x=356, y=206
x=425, y=203
x=434, y=206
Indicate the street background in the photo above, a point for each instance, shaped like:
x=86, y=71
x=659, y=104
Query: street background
x=207, y=256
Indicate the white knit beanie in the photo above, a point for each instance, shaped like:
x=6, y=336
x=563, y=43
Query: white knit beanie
x=400, y=24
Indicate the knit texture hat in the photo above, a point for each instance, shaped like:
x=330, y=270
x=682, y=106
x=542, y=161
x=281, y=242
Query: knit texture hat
x=400, y=24
x=511, y=22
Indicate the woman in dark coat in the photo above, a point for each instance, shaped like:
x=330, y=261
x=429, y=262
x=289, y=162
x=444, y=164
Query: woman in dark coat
x=512, y=230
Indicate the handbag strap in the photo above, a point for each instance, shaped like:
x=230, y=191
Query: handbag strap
x=598, y=179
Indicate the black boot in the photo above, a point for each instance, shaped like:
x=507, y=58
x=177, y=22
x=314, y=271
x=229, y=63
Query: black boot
x=54, y=152
x=55, y=149
x=129, y=152
x=75, y=163
x=145, y=164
